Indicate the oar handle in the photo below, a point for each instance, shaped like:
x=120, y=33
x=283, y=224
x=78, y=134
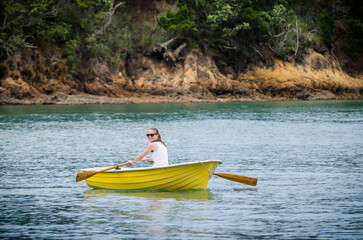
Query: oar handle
x=121, y=165
x=113, y=167
x=84, y=175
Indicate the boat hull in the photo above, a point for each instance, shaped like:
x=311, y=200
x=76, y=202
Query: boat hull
x=194, y=175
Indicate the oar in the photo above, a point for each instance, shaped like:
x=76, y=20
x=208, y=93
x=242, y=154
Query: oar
x=84, y=175
x=238, y=178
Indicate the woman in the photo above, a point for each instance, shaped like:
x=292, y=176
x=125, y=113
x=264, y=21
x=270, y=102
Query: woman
x=157, y=148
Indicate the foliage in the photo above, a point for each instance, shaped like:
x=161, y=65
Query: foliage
x=354, y=20
x=286, y=33
x=70, y=53
x=153, y=34
x=326, y=25
x=18, y=19
x=181, y=21
x=54, y=33
x=236, y=30
x=111, y=45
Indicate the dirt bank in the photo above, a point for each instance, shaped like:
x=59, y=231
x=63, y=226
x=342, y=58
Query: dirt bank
x=196, y=79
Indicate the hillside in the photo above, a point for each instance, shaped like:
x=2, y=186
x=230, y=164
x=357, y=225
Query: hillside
x=134, y=60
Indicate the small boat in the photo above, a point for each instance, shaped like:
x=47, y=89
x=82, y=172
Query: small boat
x=192, y=175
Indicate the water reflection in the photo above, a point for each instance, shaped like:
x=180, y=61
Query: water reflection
x=245, y=189
x=199, y=194
x=146, y=212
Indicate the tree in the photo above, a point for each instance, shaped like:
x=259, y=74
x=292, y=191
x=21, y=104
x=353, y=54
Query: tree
x=18, y=20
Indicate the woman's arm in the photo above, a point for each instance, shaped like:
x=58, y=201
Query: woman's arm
x=150, y=147
x=145, y=159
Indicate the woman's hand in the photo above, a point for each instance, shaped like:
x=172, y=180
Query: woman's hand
x=130, y=162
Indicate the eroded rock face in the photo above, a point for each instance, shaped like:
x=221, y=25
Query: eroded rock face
x=17, y=89
x=191, y=76
x=199, y=77
x=194, y=79
x=318, y=78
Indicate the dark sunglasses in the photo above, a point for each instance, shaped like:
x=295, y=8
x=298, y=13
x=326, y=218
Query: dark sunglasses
x=150, y=135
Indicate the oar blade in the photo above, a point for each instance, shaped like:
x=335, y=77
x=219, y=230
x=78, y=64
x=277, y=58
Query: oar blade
x=238, y=178
x=84, y=175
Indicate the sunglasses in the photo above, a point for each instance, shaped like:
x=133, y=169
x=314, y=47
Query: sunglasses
x=150, y=135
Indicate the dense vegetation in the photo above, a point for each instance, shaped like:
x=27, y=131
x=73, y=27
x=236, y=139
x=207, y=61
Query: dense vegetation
x=235, y=32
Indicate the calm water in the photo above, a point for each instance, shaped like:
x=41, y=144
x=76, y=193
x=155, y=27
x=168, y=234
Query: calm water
x=308, y=157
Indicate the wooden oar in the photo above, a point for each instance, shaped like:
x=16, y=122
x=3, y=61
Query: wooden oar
x=238, y=178
x=84, y=175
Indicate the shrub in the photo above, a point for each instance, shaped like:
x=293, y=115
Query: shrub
x=326, y=27
x=153, y=34
x=70, y=53
x=4, y=70
x=60, y=68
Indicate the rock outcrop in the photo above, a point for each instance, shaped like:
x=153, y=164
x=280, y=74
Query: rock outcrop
x=195, y=79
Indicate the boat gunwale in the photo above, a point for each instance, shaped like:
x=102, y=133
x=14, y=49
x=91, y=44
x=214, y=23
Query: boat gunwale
x=150, y=168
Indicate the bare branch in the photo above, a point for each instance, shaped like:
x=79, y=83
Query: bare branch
x=258, y=53
x=284, y=40
x=109, y=19
x=279, y=35
x=2, y=28
x=229, y=48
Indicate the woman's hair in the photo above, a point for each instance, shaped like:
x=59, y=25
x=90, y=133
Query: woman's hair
x=159, y=138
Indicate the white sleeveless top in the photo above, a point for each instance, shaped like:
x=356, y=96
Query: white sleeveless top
x=160, y=156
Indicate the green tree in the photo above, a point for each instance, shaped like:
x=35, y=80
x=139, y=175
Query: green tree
x=182, y=22
x=326, y=25
x=18, y=19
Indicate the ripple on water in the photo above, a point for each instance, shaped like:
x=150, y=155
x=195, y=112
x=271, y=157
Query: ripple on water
x=306, y=155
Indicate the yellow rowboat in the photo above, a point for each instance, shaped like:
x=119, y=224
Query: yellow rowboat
x=192, y=175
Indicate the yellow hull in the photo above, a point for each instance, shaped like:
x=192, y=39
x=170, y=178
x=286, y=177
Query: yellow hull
x=194, y=175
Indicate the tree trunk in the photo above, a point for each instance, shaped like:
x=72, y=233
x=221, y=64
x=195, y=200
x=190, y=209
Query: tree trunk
x=167, y=43
x=109, y=19
x=180, y=49
x=170, y=57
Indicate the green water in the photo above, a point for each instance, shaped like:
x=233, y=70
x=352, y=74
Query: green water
x=308, y=157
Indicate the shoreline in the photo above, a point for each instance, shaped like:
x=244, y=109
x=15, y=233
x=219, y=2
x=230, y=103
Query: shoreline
x=60, y=98
x=196, y=80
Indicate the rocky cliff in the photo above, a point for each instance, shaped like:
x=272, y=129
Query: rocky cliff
x=33, y=77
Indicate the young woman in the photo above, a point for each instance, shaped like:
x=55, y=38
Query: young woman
x=157, y=148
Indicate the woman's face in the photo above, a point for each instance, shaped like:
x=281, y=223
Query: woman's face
x=151, y=135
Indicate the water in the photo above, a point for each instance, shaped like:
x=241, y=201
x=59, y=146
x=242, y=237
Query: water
x=307, y=156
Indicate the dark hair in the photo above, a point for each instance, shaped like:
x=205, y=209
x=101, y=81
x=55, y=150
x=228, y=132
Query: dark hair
x=159, y=138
